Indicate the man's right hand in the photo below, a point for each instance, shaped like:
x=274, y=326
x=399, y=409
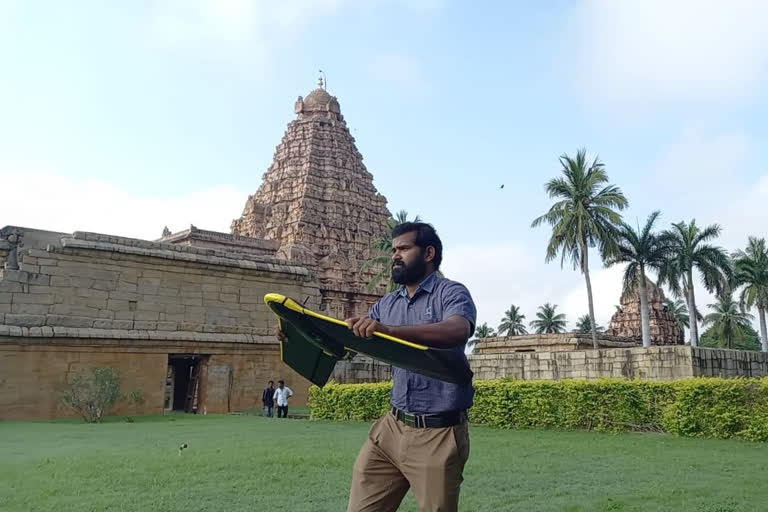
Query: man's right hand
x=364, y=327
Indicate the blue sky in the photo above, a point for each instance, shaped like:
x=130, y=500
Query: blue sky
x=127, y=117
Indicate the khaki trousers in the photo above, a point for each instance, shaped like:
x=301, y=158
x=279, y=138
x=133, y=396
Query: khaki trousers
x=395, y=457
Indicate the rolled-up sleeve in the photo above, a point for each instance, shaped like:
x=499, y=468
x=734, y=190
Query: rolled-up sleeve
x=458, y=301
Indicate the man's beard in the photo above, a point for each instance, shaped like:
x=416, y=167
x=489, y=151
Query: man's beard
x=409, y=274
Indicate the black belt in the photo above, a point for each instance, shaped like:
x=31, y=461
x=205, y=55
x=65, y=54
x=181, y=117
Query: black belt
x=439, y=420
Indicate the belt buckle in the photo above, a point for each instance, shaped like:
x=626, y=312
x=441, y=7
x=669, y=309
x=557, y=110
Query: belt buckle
x=411, y=420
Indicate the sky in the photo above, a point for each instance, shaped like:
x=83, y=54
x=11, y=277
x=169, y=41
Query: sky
x=126, y=117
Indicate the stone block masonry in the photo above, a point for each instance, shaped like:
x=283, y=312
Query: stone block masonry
x=318, y=204
x=549, y=342
x=91, y=299
x=653, y=363
x=33, y=375
x=97, y=286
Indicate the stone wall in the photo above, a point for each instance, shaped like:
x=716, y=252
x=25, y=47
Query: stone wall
x=343, y=305
x=35, y=373
x=361, y=369
x=90, y=285
x=711, y=362
x=5, y=248
x=224, y=241
x=549, y=342
x=35, y=377
x=653, y=363
x=87, y=299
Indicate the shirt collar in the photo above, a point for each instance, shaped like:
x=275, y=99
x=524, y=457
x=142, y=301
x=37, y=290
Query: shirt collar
x=427, y=284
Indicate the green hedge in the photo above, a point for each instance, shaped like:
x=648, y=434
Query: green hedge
x=700, y=407
x=349, y=401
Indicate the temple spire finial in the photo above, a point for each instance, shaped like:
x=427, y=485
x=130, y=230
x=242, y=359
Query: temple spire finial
x=321, y=82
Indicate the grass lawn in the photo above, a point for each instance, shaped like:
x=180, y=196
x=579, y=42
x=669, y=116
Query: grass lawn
x=239, y=463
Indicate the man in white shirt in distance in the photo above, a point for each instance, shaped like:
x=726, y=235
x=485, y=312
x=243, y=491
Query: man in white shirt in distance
x=282, y=394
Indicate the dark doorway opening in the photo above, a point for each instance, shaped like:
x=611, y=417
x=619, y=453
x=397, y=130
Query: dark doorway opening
x=182, y=385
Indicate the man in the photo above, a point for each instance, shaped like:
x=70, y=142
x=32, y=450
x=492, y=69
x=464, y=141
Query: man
x=423, y=442
x=282, y=394
x=268, y=399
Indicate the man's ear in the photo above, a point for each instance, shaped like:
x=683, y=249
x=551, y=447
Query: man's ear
x=429, y=254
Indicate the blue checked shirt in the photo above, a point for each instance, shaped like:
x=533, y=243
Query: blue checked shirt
x=435, y=299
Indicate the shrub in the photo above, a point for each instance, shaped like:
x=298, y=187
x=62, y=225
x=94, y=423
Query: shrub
x=349, y=401
x=699, y=407
x=719, y=408
x=95, y=395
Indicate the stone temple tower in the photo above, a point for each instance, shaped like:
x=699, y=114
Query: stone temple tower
x=625, y=322
x=318, y=203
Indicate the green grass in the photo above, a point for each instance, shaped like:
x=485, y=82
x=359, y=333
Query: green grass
x=239, y=463
x=298, y=410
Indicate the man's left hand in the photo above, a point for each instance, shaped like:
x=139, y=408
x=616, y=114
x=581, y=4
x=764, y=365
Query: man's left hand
x=364, y=327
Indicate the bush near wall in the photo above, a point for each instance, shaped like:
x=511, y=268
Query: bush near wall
x=698, y=407
x=349, y=401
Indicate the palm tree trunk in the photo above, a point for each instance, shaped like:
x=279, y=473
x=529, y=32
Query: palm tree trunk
x=687, y=297
x=692, y=311
x=763, y=337
x=585, y=269
x=645, y=321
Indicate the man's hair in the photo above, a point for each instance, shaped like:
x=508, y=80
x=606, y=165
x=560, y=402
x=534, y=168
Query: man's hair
x=281, y=382
x=425, y=236
x=271, y=382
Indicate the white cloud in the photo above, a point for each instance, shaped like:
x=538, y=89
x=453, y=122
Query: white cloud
x=606, y=292
x=712, y=179
x=296, y=14
x=228, y=30
x=185, y=22
x=62, y=204
x=648, y=50
x=498, y=275
x=251, y=30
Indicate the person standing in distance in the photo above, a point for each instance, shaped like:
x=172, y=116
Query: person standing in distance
x=268, y=399
x=282, y=394
x=422, y=443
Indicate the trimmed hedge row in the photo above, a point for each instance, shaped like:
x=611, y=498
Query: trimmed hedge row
x=698, y=407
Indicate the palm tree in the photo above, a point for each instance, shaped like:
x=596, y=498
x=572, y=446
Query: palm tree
x=751, y=270
x=584, y=325
x=642, y=250
x=512, y=323
x=749, y=341
x=689, y=251
x=727, y=319
x=481, y=331
x=680, y=311
x=547, y=321
x=381, y=253
x=584, y=216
